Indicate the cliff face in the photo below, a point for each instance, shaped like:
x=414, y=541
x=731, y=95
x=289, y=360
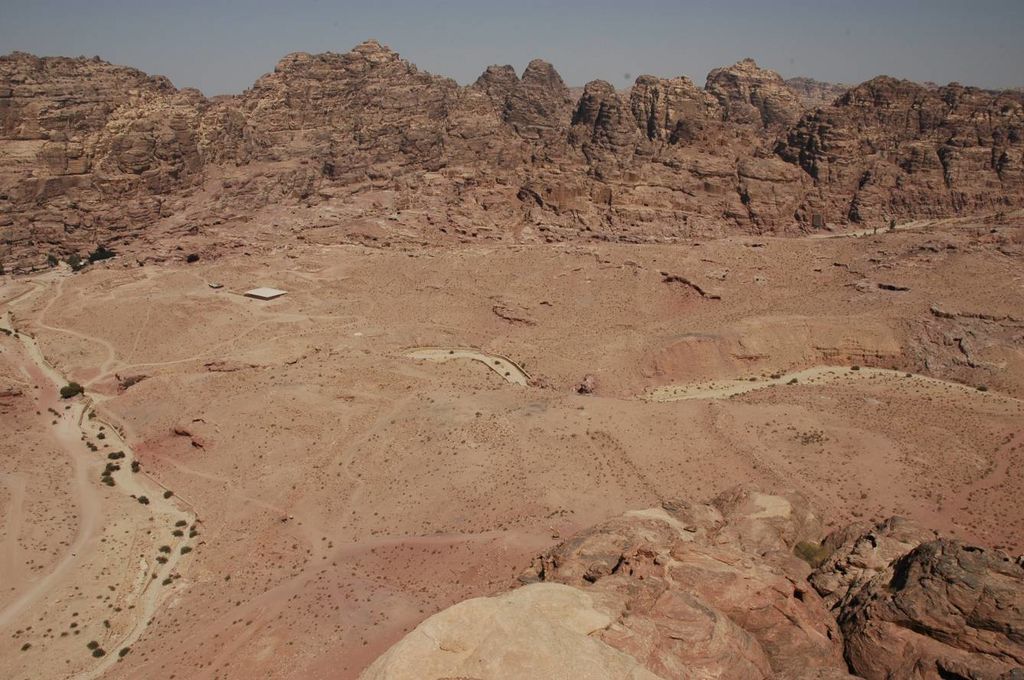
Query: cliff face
x=88, y=150
x=93, y=153
x=889, y=148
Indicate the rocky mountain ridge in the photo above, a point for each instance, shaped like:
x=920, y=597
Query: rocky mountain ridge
x=92, y=153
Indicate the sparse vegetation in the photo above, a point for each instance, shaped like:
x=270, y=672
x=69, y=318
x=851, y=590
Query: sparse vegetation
x=812, y=553
x=76, y=262
x=101, y=253
x=72, y=389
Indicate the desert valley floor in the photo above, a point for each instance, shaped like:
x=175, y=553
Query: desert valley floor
x=326, y=469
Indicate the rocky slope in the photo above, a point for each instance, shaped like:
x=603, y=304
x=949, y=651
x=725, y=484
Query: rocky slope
x=92, y=153
x=717, y=591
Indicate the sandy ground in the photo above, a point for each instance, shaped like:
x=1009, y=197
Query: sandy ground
x=351, y=459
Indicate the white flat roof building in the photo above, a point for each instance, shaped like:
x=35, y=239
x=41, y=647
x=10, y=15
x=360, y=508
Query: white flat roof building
x=265, y=293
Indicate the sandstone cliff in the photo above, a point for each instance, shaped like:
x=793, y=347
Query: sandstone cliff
x=92, y=153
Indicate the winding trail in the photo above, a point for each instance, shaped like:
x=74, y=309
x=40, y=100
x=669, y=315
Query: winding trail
x=815, y=375
x=509, y=370
x=68, y=436
x=83, y=421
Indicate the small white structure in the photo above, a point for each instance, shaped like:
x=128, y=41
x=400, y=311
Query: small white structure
x=265, y=293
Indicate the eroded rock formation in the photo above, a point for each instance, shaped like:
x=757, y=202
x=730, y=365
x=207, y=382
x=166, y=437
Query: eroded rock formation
x=92, y=153
x=716, y=591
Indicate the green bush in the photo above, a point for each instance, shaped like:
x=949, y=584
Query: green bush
x=810, y=552
x=101, y=253
x=75, y=261
x=72, y=389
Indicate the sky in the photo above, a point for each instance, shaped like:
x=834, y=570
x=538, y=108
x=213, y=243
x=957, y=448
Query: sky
x=222, y=46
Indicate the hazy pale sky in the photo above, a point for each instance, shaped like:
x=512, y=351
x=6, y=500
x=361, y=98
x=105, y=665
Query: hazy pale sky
x=222, y=46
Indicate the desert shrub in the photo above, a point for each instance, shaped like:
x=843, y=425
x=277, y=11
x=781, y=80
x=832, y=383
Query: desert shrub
x=101, y=253
x=143, y=500
x=136, y=465
x=168, y=493
x=98, y=652
x=180, y=523
x=72, y=389
x=92, y=644
x=810, y=552
x=124, y=651
x=983, y=388
x=192, y=257
x=165, y=548
x=185, y=549
x=75, y=261
x=52, y=260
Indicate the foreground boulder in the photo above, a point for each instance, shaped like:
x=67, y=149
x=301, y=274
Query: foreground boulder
x=715, y=590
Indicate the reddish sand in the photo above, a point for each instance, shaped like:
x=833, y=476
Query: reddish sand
x=344, y=491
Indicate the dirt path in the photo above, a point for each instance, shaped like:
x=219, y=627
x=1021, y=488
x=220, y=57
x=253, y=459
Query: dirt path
x=68, y=436
x=82, y=420
x=509, y=370
x=13, y=519
x=816, y=375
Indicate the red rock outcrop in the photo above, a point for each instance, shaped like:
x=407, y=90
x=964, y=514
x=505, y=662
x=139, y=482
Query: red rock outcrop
x=92, y=153
x=890, y=148
x=715, y=591
x=751, y=94
x=943, y=610
x=89, y=151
